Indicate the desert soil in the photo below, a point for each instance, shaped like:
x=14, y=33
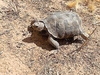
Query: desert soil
x=24, y=53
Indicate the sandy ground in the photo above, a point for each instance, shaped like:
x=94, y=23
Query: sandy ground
x=24, y=54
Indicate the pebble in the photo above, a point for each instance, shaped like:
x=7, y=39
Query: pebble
x=98, y=44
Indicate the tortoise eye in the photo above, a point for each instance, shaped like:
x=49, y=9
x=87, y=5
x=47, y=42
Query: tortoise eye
x=36, y=26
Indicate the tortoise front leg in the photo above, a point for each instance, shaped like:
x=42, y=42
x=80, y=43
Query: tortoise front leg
x=53, y=42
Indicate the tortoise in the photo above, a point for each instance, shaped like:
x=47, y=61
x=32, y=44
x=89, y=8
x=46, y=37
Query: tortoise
x=60, y=25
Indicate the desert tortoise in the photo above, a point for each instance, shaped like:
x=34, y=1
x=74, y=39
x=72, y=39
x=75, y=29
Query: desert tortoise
x=60, y=25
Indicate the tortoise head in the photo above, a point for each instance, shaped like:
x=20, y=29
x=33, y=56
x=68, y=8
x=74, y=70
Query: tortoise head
x=37, y=25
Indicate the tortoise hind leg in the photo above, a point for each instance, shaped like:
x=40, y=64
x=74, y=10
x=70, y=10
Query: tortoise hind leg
x=53, y=42
x=85, y=36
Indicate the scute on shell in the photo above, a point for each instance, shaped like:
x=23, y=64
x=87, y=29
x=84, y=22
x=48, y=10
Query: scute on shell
x=64, y=23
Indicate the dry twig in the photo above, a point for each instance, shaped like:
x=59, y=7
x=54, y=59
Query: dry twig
x=84, y=44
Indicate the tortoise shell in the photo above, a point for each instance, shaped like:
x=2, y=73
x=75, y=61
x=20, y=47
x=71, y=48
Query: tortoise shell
x=61, y=24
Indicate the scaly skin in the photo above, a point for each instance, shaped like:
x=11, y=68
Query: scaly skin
x=53, y=42
x=85, y=36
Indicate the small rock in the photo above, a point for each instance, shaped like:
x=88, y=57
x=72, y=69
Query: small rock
x=99, y=52
x=98, y=44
